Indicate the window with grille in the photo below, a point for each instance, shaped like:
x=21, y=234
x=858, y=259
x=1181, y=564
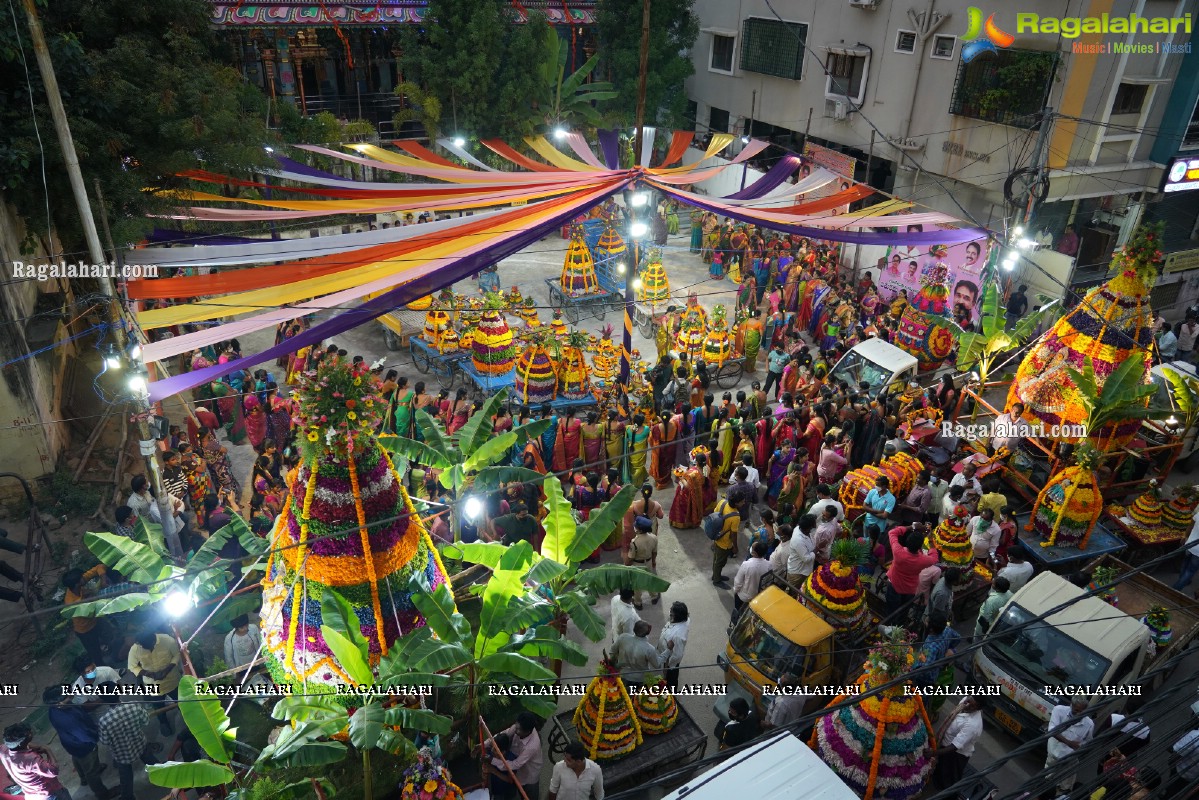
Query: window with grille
x=847, y=73
x=1008, y=87
x=1130, y=97
x=722, y=53
x=771, y=47
x=1191, y=138
x=718, y=120
x=905, y=42
x=943, y=46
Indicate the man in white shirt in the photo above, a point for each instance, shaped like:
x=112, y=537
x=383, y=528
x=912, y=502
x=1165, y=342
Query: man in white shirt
x=1018, y=570
x=1066, y=737
x=1184, y=756
x=958, y=737
x=749, y=577
x=938, y=489
x=242, y=643
x=576, y=777
x=956, y=496
x=801, y=552
x=786, y=708
x=827, y=529
x=673, y=642
x=824, y=497
x=1188, y=332
x=984, y=534
x=967, y=481
x=752, y=476
x=778, y=559
x=90, y=675
x=1010, y=428
x=624, y=615
x=526, y=746
x=635, y=656
x=146, y=507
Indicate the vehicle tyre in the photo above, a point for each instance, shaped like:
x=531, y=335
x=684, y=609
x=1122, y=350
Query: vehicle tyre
x=390, y=339
x=730, y=374
x=421, y=361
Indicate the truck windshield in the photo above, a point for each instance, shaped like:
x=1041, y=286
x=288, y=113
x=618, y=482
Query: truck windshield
x=763, y=647
x=854, y=368
x=1043, y=653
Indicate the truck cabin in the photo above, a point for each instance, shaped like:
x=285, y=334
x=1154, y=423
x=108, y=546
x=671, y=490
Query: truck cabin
x=1035, y=664
x=776, y=634
x=880, y=365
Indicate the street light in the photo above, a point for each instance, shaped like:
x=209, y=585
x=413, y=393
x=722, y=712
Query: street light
x=138, y=384
x=637, y=284
x=472, y=508
x=1018, y=231
x=269, y=149
x=112, y=362
x=459, y=141
x=744, y=140
x=638, y=229
x=559, y=133
x=178, y=603
x=621, y=269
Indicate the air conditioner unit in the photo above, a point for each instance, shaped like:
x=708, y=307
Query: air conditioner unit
x=840, y=109
x=867, y=5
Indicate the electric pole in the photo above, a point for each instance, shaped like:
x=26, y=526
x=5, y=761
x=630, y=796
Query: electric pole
x=626, y=350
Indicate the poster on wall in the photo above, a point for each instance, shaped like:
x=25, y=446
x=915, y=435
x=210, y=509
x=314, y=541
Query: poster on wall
x=909, y=266
x=839, y=163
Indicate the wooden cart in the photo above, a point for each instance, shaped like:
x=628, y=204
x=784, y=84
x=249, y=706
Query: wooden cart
x=426, y=359
x=683, y=744
x=575, y=307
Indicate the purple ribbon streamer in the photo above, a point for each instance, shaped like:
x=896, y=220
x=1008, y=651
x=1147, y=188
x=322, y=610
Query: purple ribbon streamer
x=164, y=236
x=944, y=236
x=784, y=168
x=610, y=144
x=399, y=296
x=290, y=165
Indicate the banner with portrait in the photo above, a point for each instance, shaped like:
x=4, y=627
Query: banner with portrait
x=832, y=160
x=908, y=266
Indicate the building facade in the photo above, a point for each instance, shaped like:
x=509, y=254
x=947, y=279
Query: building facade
x=956, y=122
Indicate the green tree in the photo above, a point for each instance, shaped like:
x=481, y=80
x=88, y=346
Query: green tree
x=565, y=98
x=148, y=92
x=673, y=30
x=475, y=61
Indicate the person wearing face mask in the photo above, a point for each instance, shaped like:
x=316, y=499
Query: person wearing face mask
x=31, y=767
x=89, y=675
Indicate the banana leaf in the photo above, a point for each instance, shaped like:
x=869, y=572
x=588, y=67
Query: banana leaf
x=206, y=719
x=188, y=774
x=477, y=430
x=365, y=726
x=611, y=578
x=111, y=605
x=490, y=451
x=599, y=526
x=418, y=719
x=349, y=656
x=577, y=606
x=559, y=523
x=522, y=667
x=338, y=614
x=136, y=561
x=437, y=607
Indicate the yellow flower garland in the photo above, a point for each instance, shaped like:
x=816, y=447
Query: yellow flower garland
x=376, y=605
x=309, y=493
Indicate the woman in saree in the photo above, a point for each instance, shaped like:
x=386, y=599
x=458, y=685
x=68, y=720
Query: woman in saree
x=813, y=434
x=711, y=231
x=762, y=270
x=716, y=266
x=870, y=303
x=237, y=430
x=297, y=363
x=711, y=481
x=750, y=332
x=792, y=488
x=421, y=402
x=687, y=508
x=776, y=470
x=747, y=293
x=765, y=440
x=819, y=297
x=195, y=472
x=255, y=420
x=594, y=454
x=278, y=421
x=672, y=218
x=791, y=289
x=636, y=443
x=403, y=400
x=745, y=447
x=568, y=444
x=697, y=231
x=217, y=458
x=786, y=428
x=702, y=421
x=662, y=441
x=459, y=412
x=726, y=438
x=684, y=436
x=738, y=245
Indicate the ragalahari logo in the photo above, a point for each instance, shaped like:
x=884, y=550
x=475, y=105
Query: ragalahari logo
x=992, y=35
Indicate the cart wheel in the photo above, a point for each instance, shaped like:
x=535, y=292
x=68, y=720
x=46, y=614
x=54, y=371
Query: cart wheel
x=730, y=374
x=421, y=360
x=447, y=380
x=390, y=339
x=646, y=326
x=601, y=311
x=572, y=314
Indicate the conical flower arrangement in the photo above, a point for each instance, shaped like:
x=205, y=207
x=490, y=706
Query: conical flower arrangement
x=421, y=303
x=718, y=344
x=605, y=719
x=573, y=376
x=1112, y=324
x=578, y=269
x=610, y=250
x=348, y=525
x=606, y=360
x=836, y=589
x=558, y=325
x=1068, y=507
x=901, y=469
x=693, y=331
x=655, y=287
x=1148, y=509
x=877, y=746
x=655, y=706
x=952, y=538
x=493, y=352
x=536, y=379
x=439, y=330
x=933, y=297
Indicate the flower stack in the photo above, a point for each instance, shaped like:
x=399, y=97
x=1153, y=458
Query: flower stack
x=610, y=251
x=933, y=296
x=655, y=288
x=877, y=746
x=606, y=360
x=492, y=349
x=426, y=779
x=558, y=325
x=693, y=332
x=1158, y=623
x=901, y=469
x=467, y=340
x=439, y=330
x=835, y=588
x=605, y=719
x=1179, y=513
x=347, y=525
x=421, y=303
x=578, y=270
x=1102, y=580
x=655, y=707
x=573, y=376
x=952, y=539
x=1066, y=510
x=536, y=378
x=1112, y=324
x=923, y=329
x=718, y=344
x=1147, y=509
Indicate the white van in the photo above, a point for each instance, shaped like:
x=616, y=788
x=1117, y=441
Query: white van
x=877, y=363
x=1088, y=643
